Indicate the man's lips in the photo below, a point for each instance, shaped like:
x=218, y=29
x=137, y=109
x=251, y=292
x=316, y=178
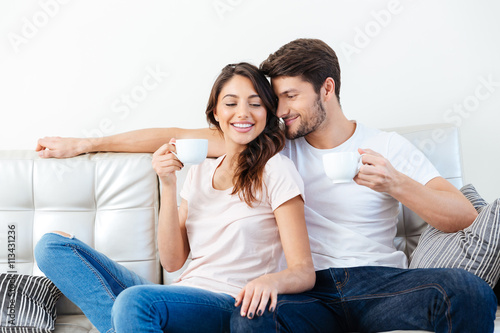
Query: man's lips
x=289, y=120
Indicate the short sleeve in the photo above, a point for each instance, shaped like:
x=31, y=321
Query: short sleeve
x=409, y=160
x=283, y=182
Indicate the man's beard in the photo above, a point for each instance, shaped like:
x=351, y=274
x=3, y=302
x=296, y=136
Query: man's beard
x=310, y=124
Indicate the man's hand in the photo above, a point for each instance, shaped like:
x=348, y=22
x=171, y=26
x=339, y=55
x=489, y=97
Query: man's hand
x=377, y=172
x=62, y=147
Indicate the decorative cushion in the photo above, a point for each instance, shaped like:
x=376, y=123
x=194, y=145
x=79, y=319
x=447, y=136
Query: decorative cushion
x=27, y=303
x=475, y=249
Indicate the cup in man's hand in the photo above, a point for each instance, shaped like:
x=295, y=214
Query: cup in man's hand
x=341, y=167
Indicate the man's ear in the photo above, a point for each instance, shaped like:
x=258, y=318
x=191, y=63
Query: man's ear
x=328, y=89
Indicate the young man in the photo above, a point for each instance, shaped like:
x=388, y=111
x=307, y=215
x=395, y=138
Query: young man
x=362, y=281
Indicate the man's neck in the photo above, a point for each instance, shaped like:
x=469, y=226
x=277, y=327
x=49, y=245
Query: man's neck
x=332, y=133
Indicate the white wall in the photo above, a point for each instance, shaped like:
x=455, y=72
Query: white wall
x=65, y=66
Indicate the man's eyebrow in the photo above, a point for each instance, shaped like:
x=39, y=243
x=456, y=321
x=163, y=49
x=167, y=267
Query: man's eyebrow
x=286, y=92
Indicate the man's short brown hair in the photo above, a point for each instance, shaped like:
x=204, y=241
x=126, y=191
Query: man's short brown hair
x=311, y=59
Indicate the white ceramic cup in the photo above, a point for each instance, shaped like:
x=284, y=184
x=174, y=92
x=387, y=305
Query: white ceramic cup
x=191, y=151
x=341, y=167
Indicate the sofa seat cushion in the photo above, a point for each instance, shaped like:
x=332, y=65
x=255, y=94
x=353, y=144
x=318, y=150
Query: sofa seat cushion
x=74, y=324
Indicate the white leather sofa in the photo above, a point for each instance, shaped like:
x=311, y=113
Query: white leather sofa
x=111, y=201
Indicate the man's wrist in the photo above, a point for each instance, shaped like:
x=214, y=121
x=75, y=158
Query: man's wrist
x=88, y=145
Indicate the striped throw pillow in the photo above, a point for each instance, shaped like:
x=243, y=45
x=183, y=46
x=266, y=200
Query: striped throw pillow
x=475, y=249
x=27, y=303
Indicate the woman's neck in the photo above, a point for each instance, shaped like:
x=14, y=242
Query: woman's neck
x=224, y=174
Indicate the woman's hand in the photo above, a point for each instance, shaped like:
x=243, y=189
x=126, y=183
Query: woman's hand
x=255, y=296
x=166, y=164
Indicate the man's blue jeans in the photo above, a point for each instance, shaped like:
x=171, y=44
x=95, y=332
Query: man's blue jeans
x=379, y=299
x=116, y=299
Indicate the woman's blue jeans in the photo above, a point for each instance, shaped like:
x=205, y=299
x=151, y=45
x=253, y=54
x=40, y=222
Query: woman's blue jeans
x=380, y=299
x=118, y=300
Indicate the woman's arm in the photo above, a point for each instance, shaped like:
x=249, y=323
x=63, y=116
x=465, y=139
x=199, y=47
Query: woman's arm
x=172, y=236
x=139, y=141
x=299, y=276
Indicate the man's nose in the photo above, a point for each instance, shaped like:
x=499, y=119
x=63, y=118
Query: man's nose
x=282, y=110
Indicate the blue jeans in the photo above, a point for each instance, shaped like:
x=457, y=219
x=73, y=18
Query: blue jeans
x=378, y=299
x=116, y=299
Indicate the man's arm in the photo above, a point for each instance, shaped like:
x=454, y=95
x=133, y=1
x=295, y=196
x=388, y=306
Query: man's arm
x=438, y=203
x=139, y=141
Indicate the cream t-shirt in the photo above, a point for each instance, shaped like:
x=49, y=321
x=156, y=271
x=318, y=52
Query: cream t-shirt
x=231, y=243
x=349, y=224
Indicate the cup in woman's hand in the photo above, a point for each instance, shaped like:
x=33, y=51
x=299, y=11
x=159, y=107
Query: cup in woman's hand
x=341, y=167
x=191, y=151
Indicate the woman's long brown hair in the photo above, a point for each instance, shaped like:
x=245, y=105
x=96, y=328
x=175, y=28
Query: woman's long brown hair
x=248, y=179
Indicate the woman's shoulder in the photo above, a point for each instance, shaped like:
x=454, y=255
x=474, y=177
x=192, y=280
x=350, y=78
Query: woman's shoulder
x=279, y=161
x=281, y=166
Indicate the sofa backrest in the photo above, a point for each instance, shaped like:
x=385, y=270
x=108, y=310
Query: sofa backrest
x=111, y=201
x=107, y=200
x=441, y=145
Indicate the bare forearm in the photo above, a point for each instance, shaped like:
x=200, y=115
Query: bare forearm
x=172, y=239
x=447, y=209
x=139, y=141
x=295, y=280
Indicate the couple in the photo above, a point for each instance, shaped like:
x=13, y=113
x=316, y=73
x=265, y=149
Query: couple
x=361, y=283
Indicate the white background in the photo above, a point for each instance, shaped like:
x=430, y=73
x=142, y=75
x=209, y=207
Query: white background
x=67, y=67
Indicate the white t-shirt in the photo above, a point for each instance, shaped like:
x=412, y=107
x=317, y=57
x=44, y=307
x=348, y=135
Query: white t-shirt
x=351, y=225
x=231, y=243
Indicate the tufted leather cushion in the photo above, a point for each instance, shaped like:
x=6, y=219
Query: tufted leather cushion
x=107, y=200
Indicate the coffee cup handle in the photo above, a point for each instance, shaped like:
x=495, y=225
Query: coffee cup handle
x=360, y=163
x=175, y=154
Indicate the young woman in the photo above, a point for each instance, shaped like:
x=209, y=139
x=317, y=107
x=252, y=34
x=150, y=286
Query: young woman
x=237, y=216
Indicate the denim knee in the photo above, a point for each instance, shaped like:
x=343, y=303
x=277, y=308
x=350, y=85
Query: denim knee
x=469, y=291
x=44, y=250
x=129, y=301
x=257, y=324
